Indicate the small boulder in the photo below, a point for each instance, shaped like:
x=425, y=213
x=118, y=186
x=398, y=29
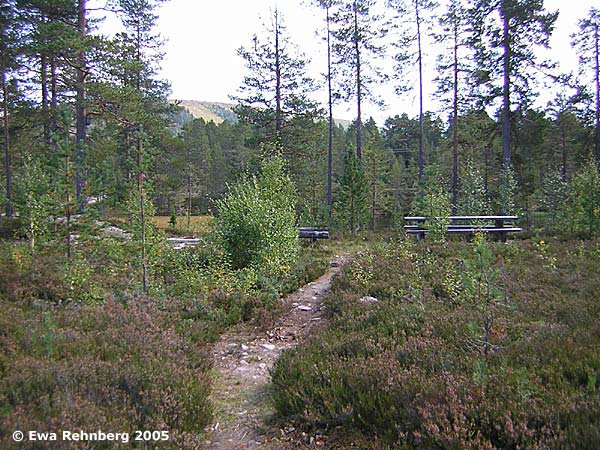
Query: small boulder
x=368, y=300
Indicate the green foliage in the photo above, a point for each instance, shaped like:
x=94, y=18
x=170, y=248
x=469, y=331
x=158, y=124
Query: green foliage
x=33, y=202
x=507, y=191
x=472, y=196
x=553, y=192
x=582, y=208
x=80, y=284
x=257, y=221
x=435, y=203
x=352, y=207
x=482, y=290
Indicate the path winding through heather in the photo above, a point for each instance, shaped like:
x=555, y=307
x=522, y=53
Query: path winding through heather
x=242, y=360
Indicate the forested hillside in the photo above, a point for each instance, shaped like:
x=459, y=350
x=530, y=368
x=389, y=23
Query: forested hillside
x=451, y=341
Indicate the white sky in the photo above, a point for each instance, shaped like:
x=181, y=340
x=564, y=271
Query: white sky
x=202, y=37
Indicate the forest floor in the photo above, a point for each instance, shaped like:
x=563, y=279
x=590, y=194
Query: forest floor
x=243, y=357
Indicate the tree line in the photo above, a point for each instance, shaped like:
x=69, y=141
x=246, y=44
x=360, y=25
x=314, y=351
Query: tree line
x=86, y=115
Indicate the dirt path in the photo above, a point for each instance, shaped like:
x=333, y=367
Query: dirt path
x=242, y=359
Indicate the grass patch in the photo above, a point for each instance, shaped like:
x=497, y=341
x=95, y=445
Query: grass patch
x=199, y=225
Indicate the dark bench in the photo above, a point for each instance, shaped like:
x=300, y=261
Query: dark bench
x=500, y=225
x=313, y=233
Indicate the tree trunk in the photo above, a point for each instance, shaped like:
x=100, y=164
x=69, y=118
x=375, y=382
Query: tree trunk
x=278, y=118
x=358, y=87
x=506, y=126
x=44, y=87
x=68, y=198
x=53, y=96
x=563, y=148
x=455, y=126
x=7, y=170
x=330, y=140
x=140, y=169
x=140, y=185
x=420, y=60
x=80, y=135
x=597, y=75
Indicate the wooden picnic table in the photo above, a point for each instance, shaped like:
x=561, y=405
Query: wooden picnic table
x=500, y=225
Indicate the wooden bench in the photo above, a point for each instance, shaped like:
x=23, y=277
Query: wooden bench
x=500, y=225
x=313, y=233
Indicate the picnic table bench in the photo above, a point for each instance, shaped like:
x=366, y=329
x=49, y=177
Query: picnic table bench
x=313, y=233
x=500, y=225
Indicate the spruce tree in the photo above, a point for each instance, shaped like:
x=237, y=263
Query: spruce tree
x=353, y=197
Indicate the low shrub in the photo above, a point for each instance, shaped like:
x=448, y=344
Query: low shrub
x=115, y=367
x=414, y=369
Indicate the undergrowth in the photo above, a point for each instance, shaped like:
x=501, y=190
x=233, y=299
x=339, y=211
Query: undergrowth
x=82, y=348
x=484, y=345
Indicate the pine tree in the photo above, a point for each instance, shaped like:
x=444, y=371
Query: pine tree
x=138, y=102
x=413, y=14
x=327, y=5
x=8, y=62
x=277, y=86
x=587, y=43
x=454, y=64
x=357, y=42
x=506, y=34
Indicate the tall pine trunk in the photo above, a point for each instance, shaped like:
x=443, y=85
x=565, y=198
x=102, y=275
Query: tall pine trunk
x=140, y=167
x=44, y=88
x=330, y=138
x=455, y=125
x=506, y=126
x=7, y=171
x=80, y=136
x=278, y=118
x=420, y=61
x=597, y=76
x=358, y=87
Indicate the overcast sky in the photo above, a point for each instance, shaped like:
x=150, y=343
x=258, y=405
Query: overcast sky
x=202, y=38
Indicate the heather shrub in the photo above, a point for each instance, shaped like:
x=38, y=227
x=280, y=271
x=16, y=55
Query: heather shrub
x=416, y=371
x=113, y=367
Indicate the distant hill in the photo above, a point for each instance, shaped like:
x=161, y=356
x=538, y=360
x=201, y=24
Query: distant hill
x=215, y=111
x=220, y=112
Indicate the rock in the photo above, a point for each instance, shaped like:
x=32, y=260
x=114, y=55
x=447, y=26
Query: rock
x=304, y=308
x=368, y=300
x=116, y=232
x=243, y=362
x=245, y=347
x=269, y=347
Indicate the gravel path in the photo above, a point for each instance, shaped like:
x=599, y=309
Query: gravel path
x=242, y=360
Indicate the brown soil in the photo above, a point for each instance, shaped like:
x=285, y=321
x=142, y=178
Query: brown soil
x=242, y=360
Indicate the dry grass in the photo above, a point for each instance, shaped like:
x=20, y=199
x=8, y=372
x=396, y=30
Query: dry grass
x=198, y=224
